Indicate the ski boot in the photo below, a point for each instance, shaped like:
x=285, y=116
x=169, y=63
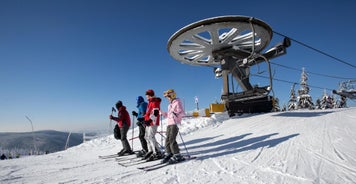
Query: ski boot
x=141, y=153
x=166, y=158
x=176, y=158
x=155, y=156
x=147, y=155
x=121, y=152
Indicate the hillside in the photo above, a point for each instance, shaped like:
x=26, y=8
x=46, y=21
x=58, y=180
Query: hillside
x=283, y=147
x=46, y=141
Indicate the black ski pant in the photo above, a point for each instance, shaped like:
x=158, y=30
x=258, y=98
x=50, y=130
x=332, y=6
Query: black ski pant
x=171, y=143
x=141, y=136
x=124, y=141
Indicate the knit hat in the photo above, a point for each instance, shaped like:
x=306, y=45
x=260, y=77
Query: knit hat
x=139, y=99
x=150, y=92
x=118, y=104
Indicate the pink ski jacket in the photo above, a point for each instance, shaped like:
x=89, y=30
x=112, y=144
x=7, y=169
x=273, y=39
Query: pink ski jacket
x=175, y=112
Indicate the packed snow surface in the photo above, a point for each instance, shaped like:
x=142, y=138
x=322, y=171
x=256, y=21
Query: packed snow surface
x=301, y=146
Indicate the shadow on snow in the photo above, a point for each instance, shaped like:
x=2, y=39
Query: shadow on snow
x=302, y=114
x=236, y=144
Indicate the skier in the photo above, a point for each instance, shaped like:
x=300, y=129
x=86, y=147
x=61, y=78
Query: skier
x=152, y=121
x=141, y=106
x=174, y=118
x=123, y=122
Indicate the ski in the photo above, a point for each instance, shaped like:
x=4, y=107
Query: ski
x=135, y=161
x=108, y=156
x=114, y=155
x=126, y=159
x=160, y=165
x=154, y=167
x=128, y=164
x=151, y=166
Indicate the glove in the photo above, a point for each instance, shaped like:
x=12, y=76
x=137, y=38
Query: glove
x=134, y=113
x=111, y=117
x=156, y=112
x=139, y=123
x=147, y=123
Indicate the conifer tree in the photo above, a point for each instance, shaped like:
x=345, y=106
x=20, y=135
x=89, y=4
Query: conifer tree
x=304, y=99
x=327, y=101
x=292, y=104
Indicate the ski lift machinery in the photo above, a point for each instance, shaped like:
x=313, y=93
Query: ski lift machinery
x=347, y=89
x=230, y=44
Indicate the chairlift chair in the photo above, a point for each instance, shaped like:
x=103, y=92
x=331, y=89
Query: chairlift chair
x=346, y=89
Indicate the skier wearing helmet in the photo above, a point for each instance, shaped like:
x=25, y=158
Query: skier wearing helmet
x=152, y=121
x=174, y=118
x=123, y=122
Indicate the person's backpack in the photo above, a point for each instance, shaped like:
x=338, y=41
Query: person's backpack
x=117, y=134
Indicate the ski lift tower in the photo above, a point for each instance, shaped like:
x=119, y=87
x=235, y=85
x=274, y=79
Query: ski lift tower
x=231, y=44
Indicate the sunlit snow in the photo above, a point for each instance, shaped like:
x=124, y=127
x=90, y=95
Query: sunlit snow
x=300, y=146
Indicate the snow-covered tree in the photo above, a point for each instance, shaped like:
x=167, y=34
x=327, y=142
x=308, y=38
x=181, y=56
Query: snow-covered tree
x=304, y=99
x=326, y=101
x=276, y=107
x=284, y=108
x=318, y=104
x=292, y=103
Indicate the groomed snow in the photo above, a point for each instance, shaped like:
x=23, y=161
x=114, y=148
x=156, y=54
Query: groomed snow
x=283, y=147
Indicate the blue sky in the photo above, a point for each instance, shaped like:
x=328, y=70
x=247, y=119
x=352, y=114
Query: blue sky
x=64, y=63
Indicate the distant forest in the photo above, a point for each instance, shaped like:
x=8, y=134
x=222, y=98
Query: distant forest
x=14, y=145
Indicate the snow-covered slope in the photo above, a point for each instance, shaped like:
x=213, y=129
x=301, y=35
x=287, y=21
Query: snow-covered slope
x=282, y=147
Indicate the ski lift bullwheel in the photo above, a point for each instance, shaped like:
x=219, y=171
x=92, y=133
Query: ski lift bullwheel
x=195, y=44
x=233, y=42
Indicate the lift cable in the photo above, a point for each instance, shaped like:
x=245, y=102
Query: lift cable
x=309, y=72
x=317, y=50
x=281, y=80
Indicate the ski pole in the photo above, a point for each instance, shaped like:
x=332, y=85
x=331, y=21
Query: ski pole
x=161, y=130
x=162, y=147
x=162, y=136
x=133, y=120
x=183, y=143
x=182, y=139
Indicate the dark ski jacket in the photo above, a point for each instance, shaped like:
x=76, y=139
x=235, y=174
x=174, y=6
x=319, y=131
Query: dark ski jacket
x=123, y=117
